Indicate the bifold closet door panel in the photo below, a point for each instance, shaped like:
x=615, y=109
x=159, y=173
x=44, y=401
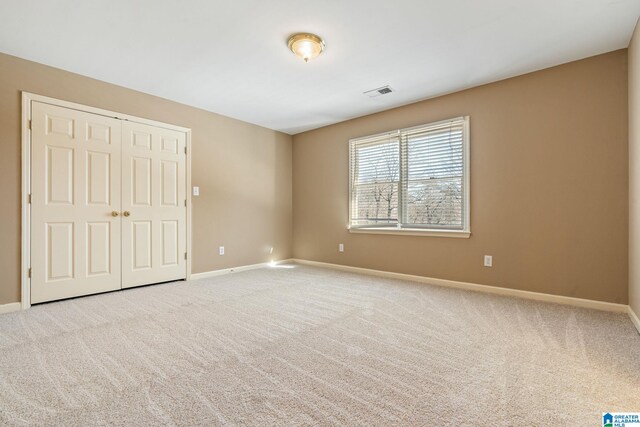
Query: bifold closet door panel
x=153, y=204
x=75, y=193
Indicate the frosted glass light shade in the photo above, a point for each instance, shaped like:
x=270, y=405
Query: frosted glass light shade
x=306, y=46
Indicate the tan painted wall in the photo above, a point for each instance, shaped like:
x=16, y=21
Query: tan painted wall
x=548, y=185
x=243, y=170
x=634, y=171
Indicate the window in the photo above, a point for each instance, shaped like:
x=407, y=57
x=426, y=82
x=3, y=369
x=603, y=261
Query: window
x=413, y=180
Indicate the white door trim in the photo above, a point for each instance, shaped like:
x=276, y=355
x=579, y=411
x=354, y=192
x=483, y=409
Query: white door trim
x=634, y=319
x=27, y=98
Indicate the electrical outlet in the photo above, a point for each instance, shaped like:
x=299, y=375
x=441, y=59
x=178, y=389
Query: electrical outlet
x=221, y=250
x=341, y=247
x=196, y=191
x=488, y=261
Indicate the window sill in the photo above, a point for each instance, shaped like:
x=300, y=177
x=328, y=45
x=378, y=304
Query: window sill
x=412, y=232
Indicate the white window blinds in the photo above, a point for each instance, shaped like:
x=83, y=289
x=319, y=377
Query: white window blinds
x=411, y=178
x=375, y=178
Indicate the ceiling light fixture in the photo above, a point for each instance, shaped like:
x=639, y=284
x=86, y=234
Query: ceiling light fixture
x=306, y=46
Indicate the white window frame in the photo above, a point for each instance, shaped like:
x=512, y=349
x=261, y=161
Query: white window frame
x=401, y=229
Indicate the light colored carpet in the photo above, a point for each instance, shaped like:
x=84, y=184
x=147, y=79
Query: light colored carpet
x=308, y=346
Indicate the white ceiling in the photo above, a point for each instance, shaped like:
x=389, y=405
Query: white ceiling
x=230, y=57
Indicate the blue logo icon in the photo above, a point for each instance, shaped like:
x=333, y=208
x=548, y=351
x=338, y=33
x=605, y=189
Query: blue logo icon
x=607, y=420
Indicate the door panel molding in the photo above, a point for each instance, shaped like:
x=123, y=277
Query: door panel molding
x=153, y=191
x=66, y=249
x=98, y=137
x=98, y=261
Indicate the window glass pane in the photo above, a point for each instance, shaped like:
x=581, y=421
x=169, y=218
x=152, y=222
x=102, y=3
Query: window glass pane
x=376, y=182
x=434, y=173
x=376, y=204
x=436, y=202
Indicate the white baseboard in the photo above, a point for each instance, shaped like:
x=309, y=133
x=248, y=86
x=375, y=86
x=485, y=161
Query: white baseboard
x=203, y=275
x=558, y=299
x=634, y=318
x=11, y=307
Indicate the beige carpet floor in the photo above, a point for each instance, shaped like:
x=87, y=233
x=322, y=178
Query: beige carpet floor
x=309, y=346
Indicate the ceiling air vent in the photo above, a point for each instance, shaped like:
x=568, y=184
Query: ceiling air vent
x=379, y=91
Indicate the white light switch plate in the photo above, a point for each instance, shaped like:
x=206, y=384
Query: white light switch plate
x=488, y=261
x=196, y=191
x=221, y=250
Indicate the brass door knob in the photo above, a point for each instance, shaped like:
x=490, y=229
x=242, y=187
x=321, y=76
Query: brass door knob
x=114, y=213
x=126, y=213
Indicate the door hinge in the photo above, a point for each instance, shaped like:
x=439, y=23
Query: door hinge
x=29, y=124
x=29, y=273
x=185, y=149
x=29, y=199
x=185, y=202
x=185, y=255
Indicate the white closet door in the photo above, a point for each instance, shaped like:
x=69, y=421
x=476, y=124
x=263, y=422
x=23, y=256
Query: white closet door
x=75, y=190
x=153, y=204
